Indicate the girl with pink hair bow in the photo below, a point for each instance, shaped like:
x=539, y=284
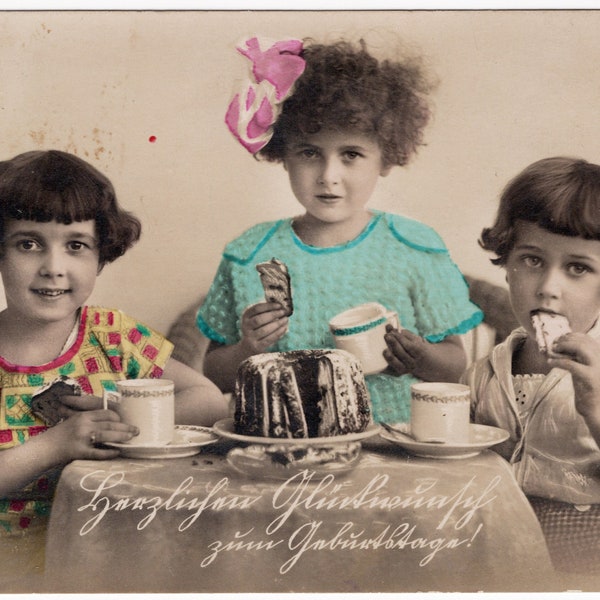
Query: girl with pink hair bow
x=338, y=119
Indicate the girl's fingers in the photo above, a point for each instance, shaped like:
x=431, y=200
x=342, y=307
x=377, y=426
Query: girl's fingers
x=272, y=330
x=400, y=367
x=409, y=337
x=266, y=336
x=98, y=420
x=268, y=319
x=412, y=344
x=576, y=352
x=263, y=313
x=81, y=402
x=261, y=307
x=261, y=344
x=103, y=432
x=562, y=363
x=91, y=405
x=397, y=349
x=104, y=415
x=579, y=370
x=104, y=435
x=263, y=324
x=118, y=427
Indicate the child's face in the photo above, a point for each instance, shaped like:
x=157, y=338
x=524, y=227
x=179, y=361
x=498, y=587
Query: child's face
x=553, y=272
x=48, y=269
x=333, y=173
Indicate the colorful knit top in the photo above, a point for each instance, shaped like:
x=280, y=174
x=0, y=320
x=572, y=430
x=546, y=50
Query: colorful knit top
x=398, y=262
x=109, y=346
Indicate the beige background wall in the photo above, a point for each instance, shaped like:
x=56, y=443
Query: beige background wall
x=515, y=86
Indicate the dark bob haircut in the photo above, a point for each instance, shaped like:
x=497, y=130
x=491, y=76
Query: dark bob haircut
x=560, y=194
x=344, y=87
x=57, y=186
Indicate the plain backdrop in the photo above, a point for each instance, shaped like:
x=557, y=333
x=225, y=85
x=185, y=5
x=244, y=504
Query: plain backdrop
x=142, y=95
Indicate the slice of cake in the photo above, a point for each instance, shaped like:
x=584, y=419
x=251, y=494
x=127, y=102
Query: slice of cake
x=46, y=403
x=275, y=280
x=548, y=328
x=301, y=394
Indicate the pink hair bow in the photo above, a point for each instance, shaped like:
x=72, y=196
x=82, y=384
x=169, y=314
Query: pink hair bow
x=252, y=112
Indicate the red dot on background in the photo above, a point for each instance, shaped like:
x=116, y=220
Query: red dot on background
x=152, y=139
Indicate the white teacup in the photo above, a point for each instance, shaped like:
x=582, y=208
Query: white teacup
x=440, y=412
x=149, y=404
x=360, y=330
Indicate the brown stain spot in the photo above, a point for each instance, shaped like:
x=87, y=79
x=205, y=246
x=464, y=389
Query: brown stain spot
x=96, y=137
x=38, y=137
x=93, y=144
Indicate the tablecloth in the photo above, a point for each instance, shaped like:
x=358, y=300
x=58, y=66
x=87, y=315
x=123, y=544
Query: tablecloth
x=395, y=523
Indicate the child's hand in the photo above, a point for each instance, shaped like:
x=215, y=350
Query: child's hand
x=408, y=352
x=81, y=402
x=77, y=436
x=70, y=405
x=262, y=325
x=405, y=350
x=581, y=357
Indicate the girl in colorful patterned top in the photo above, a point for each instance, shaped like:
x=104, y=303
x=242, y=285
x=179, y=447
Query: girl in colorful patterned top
x=337, y=119
x=59, y=225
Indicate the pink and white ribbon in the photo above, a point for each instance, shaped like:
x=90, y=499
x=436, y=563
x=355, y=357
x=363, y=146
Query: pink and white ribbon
x=275, y=68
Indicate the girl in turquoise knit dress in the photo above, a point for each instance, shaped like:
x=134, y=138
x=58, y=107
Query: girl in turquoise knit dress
x=337, y=119
x=59, y=225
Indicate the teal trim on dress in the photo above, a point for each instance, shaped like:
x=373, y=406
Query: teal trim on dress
x=461, y=328
x=265, y=239
x=359, y=328
x=341, y=247
x=410, y=244
x=209, y=332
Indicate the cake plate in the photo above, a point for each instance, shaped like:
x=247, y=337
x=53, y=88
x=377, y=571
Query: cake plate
x=225, y=428
x=282, y=458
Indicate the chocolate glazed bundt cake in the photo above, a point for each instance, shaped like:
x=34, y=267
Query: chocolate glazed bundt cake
x=301, y=394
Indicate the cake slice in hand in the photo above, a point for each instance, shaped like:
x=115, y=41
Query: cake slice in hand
x=46, y=403
x=276, y=283
x=548, y=328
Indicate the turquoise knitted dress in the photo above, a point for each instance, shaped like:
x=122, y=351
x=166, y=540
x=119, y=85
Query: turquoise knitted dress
x=395, y=261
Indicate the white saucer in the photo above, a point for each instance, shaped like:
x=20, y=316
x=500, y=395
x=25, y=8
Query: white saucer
x=187, y=441
x=480, y=438
x=225, y=428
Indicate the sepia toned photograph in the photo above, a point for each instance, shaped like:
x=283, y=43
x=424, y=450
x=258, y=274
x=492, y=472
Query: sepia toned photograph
x=299, y=301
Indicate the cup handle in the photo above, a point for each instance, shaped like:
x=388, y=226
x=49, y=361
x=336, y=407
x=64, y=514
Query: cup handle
x=392, y=319
x=110, y=396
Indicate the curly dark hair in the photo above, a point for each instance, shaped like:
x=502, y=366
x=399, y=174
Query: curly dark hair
x=560, y=194
x=57, y=186
x=343, y=86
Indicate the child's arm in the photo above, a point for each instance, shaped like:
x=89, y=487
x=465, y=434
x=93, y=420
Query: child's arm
x=198, y=401
x=262, y=325
x=58, y=445
x=581, y=357
x=410, y=353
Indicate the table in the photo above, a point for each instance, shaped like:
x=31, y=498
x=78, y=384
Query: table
x=396, y=523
